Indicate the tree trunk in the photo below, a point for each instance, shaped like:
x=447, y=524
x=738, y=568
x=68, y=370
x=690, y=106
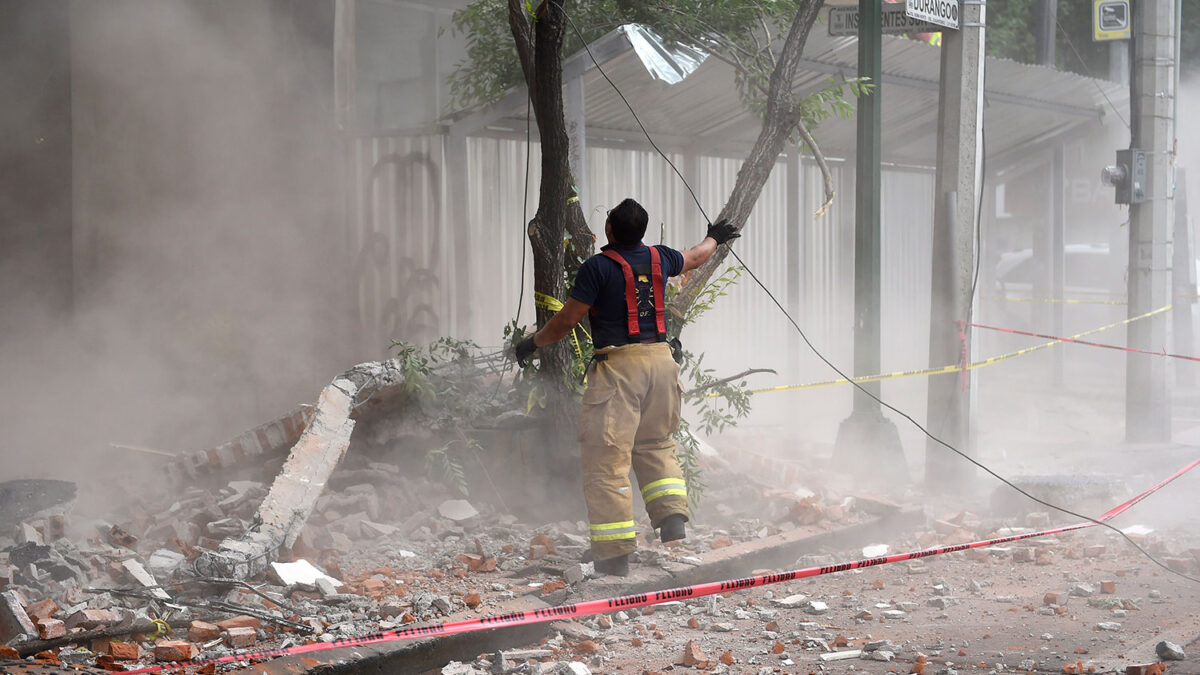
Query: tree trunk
x=539, y=47
x=779, y=120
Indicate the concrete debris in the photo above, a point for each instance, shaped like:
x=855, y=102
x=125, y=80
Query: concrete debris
x=1169, y=651
x=1108, y=625
x=301, y=572
x=139, y=574
x=295, y=491
x=458, y=510
x=875, y=550
x=841, y=656
x=14, y=622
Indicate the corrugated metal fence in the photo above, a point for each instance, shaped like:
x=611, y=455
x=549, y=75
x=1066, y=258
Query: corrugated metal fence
x=410, y=275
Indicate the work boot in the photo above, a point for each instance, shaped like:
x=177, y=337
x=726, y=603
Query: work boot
x=617, y=567
x=672, y=528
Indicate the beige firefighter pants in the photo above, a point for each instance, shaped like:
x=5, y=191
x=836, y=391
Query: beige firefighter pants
x=629, y=412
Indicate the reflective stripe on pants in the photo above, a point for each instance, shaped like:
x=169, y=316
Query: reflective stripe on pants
x=663, y=488
x=613, y=531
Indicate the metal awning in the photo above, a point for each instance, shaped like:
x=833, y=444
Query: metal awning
x=1025, y=106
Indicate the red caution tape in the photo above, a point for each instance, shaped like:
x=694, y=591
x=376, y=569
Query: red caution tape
x=591, y=607
x=1086, y=342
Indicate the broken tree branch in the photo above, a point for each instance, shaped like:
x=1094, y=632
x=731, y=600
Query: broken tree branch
x=726, y=380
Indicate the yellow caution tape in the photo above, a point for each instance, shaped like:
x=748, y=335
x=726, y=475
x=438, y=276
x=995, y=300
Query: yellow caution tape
x=161, y=628
x=572, y=200
x=954, y=368
x=554, y=305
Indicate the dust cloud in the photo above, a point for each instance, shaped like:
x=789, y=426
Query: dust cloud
x=196, y=290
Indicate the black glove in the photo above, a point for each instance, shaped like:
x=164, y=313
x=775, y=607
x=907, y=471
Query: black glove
x=722, y=231
x=525, y=349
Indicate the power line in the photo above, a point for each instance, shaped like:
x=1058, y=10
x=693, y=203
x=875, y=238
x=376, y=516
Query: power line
x=829, y=363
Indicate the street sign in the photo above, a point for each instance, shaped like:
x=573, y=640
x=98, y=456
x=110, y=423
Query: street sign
x=1110, y=20
x=843, y=21
x=941, y=12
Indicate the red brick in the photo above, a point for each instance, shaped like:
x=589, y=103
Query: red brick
x=239, y=638
x=693, y=655
x=242, y=621
x=1108, y=587
x=42, y=610
x=174, y=650
x=124, y=651
x=91, y=618
x=472, y=600
x=541, y=540
x=1054, y=598
x=49, y=629
x=202, y=631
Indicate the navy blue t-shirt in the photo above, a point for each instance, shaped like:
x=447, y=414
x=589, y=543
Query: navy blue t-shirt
x=601, y=284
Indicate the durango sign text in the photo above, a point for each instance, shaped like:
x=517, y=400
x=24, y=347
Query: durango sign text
x=941, y=12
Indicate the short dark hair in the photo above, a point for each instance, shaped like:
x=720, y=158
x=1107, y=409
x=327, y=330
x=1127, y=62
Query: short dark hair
x=628, y=220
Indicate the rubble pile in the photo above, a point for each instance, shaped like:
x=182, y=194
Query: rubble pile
x=986, y=612
x=381, y=549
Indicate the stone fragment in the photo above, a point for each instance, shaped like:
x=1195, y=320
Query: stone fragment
x=164, y=563
x=692, y=655
x=1081, y=590
x=1169, y=651
x=722, y=627
x=816, y=607
x=841, y=656
x=135, y=569
x=1108, y=625
x=876, y=645
x=882, y=655
x=202, y=631
x=790, y=601
x=300, y=572
x=374, y=529
x=240, y=637
x=1094, y=551
x=458, y=510
x=14, y=621
x=472, y=600
x=174, y=650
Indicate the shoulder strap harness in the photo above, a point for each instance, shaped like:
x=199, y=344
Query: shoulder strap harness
x=656, y=284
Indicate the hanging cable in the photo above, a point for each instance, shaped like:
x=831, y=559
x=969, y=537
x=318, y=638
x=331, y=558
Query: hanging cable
x=524, y=205
x=829, y=363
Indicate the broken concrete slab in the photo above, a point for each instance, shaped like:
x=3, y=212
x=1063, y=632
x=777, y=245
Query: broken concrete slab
x=458, y=510
x=295, y=490
x=135, y=569
x=14, y=622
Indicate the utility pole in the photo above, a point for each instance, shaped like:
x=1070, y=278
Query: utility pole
x=1047, y=23
x=866, y=439
x=1152, y=101
x=960, y=116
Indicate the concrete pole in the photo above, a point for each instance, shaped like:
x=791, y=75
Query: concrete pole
x=1047, y=29
x=960, y=116
x=867, y=439
x=1183, y=283
x=1118, y=61
x=1058, y=259
x=795, y=253
x=577, y=133
x=1152, y=99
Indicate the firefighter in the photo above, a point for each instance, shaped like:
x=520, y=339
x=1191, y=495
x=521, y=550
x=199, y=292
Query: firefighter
x=631, y=406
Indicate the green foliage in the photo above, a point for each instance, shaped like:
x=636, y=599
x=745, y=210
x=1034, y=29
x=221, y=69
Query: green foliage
x=747, y=34
x=445, y=464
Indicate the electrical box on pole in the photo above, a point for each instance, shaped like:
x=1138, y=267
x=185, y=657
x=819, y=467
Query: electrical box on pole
x=1128, y=176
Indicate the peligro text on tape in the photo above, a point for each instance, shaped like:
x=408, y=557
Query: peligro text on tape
x=956, y=367
x=601, y=606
